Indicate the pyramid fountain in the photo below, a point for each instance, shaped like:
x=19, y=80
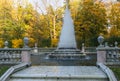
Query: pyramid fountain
x=67, y=47
x=67, y=37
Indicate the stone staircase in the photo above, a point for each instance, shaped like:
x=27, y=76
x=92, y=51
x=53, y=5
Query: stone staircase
x=67, y=54
x=60, y=73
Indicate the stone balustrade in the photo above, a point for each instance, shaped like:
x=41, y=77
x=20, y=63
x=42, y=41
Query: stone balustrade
x=12, y=55
x=90, y=49
x=107, y=54
x=112, y=54
x=46, y=49
x=87, y=50
x=18, y=55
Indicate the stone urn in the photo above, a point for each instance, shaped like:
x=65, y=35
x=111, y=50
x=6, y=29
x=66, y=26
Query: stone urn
x=26, y=41
x=100, y=40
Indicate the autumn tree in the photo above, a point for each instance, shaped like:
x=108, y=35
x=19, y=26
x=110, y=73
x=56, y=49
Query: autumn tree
x=90, y=22
x=19, y=18
x=114, y=18
x=19, y=28
x=54, y=17
x=74, y=5
x=6, y=21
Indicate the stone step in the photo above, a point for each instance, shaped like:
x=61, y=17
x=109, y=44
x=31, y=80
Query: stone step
x=60, y=73
x=57, y=79
x=66, y=53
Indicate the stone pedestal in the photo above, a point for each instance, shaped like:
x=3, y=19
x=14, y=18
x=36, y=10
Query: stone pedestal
x=101, y=55
x=25, y=56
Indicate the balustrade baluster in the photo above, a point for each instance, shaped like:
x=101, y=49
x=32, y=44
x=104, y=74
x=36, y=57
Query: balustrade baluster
x=10, y=55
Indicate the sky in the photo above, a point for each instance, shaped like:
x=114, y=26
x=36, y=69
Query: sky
x=109, y=0
x=41, y=4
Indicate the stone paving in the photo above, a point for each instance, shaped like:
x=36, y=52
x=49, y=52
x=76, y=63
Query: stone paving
x=60, y=72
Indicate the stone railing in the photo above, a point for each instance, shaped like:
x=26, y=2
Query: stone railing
x=41, y=50
x=87, y=50
x=112, y=54
x=19, y=55
x=107, y=71
x=106, y=54
x=90, y=49
x=13, y=55
x=6, y=75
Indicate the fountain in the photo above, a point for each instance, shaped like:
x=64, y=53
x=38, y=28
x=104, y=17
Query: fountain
x=67, y=47
x=67, y=37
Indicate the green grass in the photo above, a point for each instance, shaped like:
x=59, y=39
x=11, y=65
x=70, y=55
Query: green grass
x=3, y=69
x=116, y=71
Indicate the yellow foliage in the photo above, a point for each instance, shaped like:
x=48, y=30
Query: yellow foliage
x=54, y=42
x=1, y=43
x=114, y=32
x=31, y=42
x=17, y=43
